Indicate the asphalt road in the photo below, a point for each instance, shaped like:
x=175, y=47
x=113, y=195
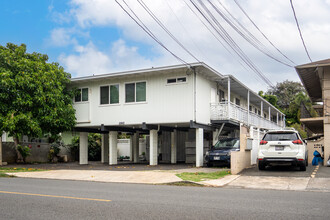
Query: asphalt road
x=55, y=199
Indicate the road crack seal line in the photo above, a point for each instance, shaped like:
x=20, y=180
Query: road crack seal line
x=54, y=196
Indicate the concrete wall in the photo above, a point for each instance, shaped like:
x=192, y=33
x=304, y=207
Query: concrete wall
x=39, y=152
x=326, y=110
x=239, y=160
x=313, y=146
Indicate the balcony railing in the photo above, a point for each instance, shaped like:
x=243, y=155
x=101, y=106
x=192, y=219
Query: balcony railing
x=219, y=111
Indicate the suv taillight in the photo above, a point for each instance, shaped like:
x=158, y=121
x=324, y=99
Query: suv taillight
x=262, y=142
x=297, y=141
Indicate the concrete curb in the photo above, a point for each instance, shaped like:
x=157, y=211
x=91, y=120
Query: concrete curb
x=220, y=182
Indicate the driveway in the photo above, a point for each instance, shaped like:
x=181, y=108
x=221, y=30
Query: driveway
x=279, y=171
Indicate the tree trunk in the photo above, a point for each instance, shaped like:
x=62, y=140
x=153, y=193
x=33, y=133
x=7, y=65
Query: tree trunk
x=0, y=148
x=19, y=156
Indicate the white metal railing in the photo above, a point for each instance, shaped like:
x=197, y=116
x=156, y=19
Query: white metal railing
x=219, y=111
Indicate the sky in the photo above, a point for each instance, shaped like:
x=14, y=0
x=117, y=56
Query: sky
x=89, y=37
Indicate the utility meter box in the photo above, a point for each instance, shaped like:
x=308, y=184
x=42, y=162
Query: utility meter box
x=249, y=142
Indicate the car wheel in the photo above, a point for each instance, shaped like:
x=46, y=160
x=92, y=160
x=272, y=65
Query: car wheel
x=307, y=162
x=303, y=167
x=209, y=165
x=261, y=166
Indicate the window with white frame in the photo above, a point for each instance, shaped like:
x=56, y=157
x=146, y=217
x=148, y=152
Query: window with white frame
x=177, y=80
x=135, y=92
x=81, y=95
x=109, y=94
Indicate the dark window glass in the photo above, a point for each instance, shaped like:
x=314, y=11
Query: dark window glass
x=130, y=92
x=104, y=95
x=238, y=102
x=171, y=80
x=84, y=96
x=182, y=79
x=221, y=95
x=141, y=92
x=114, y=94
x=77, y=98
x=250, y=108
x=280, y=137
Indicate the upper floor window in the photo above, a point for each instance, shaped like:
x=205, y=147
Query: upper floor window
x=237, y=101
x=177, y=80
x=135, y=92
x=109, y=94
x=82, y=95
x=221, y=95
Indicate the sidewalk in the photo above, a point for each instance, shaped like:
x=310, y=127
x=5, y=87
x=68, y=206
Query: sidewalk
x=162, y=174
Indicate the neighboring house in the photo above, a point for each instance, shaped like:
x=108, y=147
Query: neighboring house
x=315, y=77
x=183, y=110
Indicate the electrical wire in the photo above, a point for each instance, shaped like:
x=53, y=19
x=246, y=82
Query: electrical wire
x=147, y=30
x=217, y=38
x=249, y=38
x=254, y=24
x=147, y=9
x=228, y=39
x=301, y=37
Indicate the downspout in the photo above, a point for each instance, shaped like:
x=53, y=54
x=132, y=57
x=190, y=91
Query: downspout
x=195, y=95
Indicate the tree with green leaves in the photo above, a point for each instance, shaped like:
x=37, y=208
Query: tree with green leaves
x=286, y=92
x=33, y=94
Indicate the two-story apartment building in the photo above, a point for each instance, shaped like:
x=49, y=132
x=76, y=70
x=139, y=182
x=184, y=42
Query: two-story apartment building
x=315, y=77
x=182, y=109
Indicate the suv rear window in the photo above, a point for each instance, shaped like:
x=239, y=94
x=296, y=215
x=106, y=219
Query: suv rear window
x=280, y=137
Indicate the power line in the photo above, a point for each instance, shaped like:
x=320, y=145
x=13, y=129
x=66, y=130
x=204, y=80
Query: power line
x=147, y=30
x=228, y=39
x=254, y=24
x=250, y=38
x=147, y=9
x=301, y=37
x=217, y=38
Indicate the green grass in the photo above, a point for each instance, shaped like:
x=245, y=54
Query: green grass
x=4, y=170
x=199, y=176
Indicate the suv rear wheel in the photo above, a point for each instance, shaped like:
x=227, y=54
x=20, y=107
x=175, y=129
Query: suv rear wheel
x=303, y=167
x=261, y=166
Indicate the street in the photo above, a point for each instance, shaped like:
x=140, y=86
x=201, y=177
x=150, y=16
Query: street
x=22, y=198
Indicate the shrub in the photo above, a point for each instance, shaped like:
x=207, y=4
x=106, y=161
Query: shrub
x=94, y=147
x=25, y=151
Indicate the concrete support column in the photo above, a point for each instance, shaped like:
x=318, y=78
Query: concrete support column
x=113, y=147
x=131, y=140
x=199, y=147
x=105, y=148
x=174, y=136
x=136, y=147
x=215, y=137
x=248, y=108
x=83, y=148
x=229, y=111
x=153, y=147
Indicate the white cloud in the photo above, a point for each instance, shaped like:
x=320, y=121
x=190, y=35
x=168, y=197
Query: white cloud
x=61, y=37
x=274, y=18
x=88, y=61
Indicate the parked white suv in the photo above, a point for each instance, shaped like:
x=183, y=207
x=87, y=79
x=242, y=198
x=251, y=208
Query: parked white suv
x=282, y=147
